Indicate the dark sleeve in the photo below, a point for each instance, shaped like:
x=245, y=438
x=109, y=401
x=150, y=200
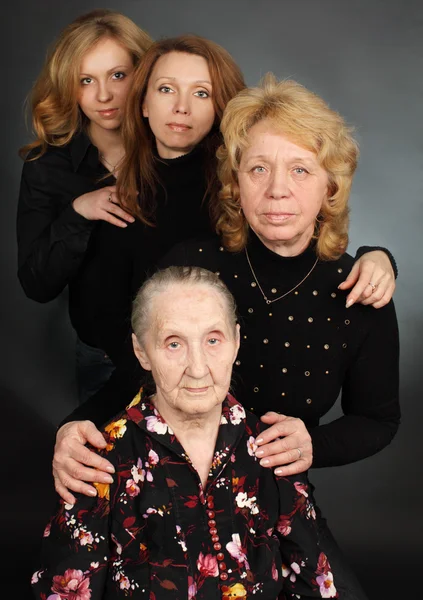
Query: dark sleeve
x=370, y=398
x=52, y=236
x=305, y=568
x=75, y=549
x=364, y=249
x=120, y=389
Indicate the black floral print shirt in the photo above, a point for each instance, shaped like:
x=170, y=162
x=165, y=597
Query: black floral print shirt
x=157, y=533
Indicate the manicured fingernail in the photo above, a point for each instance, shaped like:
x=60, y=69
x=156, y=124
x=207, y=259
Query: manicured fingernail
x=110, y=469
x=259, y=441
x=278, y=472
x=265, y=461
x=107, y=479
x=92, y=492
x=349, y=303
x=259, y=452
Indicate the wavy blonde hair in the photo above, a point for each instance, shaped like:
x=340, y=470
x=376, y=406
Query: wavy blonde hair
x=137, y=180
x=56, y=116
x=306, y=120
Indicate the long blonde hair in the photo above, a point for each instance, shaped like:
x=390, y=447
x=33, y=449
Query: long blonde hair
x=137, y=176
x=307, y=120
x=56, y=116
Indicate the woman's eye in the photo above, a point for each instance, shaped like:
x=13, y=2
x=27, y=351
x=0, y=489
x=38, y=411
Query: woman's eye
x=259, y=169
x=86, y=80
x=165, y=89
x=300, y=171
x=213, y=341
x=119, y=75
x=202, y=94
x=174, y=345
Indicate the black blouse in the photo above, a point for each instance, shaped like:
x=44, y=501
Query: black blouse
x=52, y=236
x=158, y=533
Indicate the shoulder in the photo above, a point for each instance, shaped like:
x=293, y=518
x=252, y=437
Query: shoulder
x=54, y=157
x=202, y=251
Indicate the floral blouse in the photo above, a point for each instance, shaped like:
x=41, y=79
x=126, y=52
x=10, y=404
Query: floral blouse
x=157, y=533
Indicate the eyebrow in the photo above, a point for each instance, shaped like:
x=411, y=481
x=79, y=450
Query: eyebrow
x=175, y=78
x=307, y=159
x=112, y=69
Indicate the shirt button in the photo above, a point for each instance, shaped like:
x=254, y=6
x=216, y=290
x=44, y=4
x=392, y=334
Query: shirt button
x=215, y=538
x=222, y=566
x=210, y=514
x=224, y=576
x=212, y=523
x=217, y=546
x=213, y=531
x=220, y=556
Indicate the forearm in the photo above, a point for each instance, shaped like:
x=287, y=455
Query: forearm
x=349, y=439
x=48, y=262
x=114, y=396
x=364, y=249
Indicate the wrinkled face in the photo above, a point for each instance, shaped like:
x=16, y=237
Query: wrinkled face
x=178, y=103
x=105, y=76
x=190, y=349
x=282, y=188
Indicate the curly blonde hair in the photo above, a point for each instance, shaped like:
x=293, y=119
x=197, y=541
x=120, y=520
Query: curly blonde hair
x=56, y=116
x=306, y=120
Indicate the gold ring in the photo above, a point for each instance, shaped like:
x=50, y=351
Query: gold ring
x=373, y=286
x=110, y=197
x=299, y=453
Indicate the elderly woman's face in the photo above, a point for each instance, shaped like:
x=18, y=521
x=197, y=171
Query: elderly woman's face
x=190, y=348
x=282, y=188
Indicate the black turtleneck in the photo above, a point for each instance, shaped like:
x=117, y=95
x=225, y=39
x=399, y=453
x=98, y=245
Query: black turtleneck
x=118, y=260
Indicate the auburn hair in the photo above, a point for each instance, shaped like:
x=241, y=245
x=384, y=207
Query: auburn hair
x=137, y=179
x=305, y=119
x=56, y=116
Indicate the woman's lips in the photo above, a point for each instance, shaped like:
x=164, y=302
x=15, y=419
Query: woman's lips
x=108, y=113
x=201, y=390
x=278, y=217
x=179, y=127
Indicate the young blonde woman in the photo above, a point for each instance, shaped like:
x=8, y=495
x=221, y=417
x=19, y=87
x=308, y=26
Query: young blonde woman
x=68, y=178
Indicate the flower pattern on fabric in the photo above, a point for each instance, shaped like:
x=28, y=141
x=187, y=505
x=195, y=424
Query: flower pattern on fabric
x=157, y=533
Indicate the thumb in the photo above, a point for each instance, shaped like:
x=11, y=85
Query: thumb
x=92, y=435
x=352, y=277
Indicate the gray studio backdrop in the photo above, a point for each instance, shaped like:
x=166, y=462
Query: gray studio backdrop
x=365, y=57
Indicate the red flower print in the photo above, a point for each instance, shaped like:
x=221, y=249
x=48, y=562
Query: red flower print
x=284, y=525
x=72, y=585
x=207, y=565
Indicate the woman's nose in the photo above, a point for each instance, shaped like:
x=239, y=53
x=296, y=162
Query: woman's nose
x=104, y=93
x=182, y=104
x=197, y=363
x=278, y=185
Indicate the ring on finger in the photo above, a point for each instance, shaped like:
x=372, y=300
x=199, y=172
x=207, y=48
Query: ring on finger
x=300, y=454
x=373, y=286
x=110, y=197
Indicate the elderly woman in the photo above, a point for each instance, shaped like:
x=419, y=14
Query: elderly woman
x=191, y=514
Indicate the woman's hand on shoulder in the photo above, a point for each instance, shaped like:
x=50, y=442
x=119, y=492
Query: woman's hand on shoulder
x=73, y=463
x=373, y=279
x=101, y=205
x=286, y=445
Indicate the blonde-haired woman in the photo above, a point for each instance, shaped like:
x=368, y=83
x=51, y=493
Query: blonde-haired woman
x=68, y=179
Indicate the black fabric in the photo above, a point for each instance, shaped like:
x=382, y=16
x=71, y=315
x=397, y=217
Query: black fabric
x=118, y=260
x=52, y=236
x=315, y=350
